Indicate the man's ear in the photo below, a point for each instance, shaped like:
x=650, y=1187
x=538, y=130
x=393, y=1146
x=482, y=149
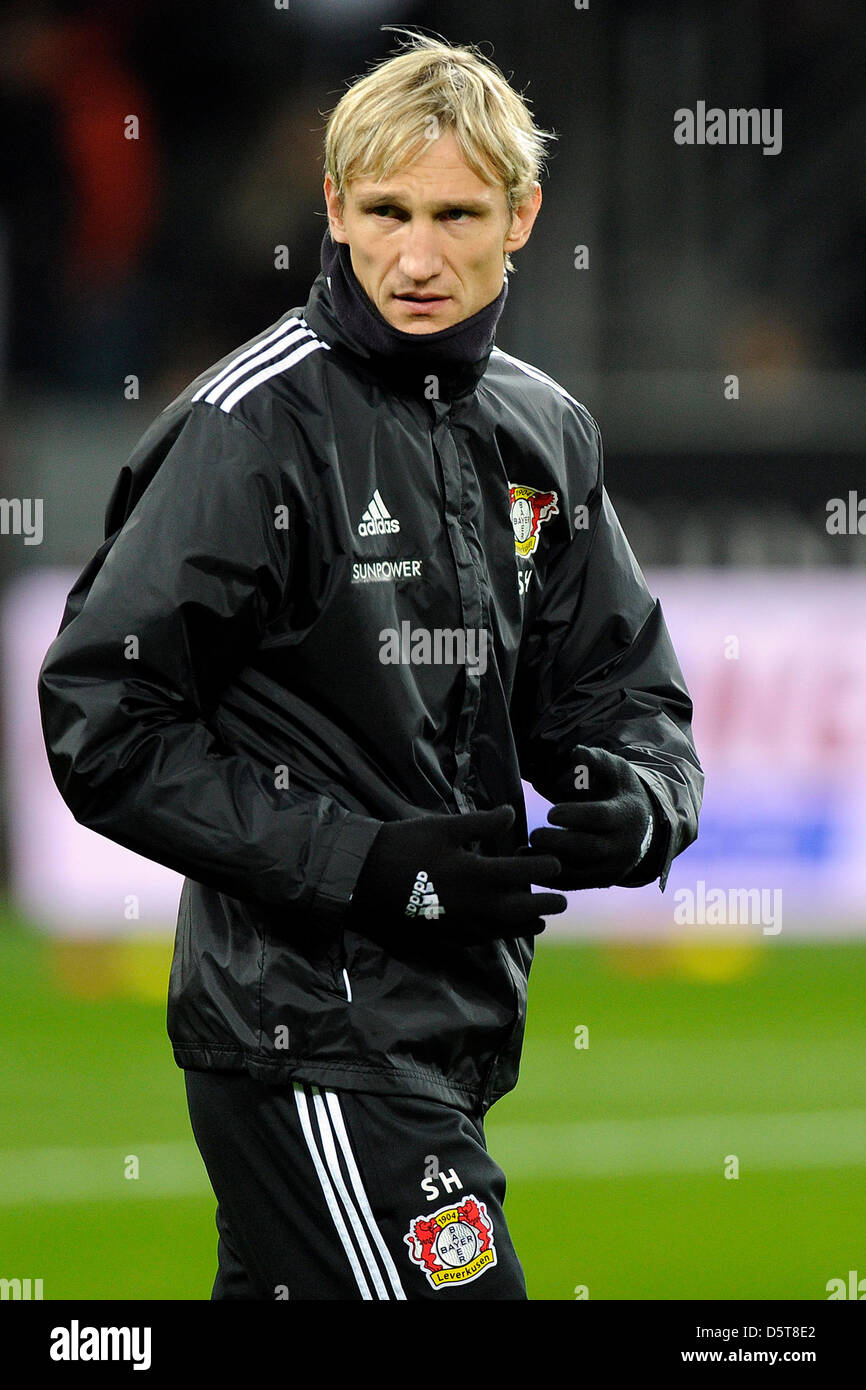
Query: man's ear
x=334, y=205
x=523, y=220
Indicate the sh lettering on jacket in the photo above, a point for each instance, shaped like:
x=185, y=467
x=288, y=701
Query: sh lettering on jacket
x=437, y=646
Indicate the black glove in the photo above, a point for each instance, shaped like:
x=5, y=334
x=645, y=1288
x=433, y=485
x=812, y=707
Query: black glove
x=612, y=831
x=424, y=877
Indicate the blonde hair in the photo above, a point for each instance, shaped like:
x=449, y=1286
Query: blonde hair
x=386, y=119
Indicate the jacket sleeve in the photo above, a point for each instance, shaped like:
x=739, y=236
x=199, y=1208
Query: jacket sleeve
x=597, y=667
x=163, y=617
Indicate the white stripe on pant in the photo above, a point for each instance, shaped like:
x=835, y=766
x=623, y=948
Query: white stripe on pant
x=331, y=1127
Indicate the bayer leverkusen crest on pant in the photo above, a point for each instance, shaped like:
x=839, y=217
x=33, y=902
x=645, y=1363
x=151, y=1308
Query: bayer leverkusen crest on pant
x=454, y=1245
x=529, y=508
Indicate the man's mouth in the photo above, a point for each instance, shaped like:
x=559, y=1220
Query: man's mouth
x=423, y=306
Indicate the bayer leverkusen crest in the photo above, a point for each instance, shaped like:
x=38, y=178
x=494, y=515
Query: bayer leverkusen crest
x=454, y=1245
x=529, y=508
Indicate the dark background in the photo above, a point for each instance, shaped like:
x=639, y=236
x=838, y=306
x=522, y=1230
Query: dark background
x=155, y=256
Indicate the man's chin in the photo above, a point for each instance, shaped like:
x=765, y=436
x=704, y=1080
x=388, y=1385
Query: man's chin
x=420, y=330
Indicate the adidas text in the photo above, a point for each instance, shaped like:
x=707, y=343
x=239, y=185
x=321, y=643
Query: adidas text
x=424, y=900
x=377, y=520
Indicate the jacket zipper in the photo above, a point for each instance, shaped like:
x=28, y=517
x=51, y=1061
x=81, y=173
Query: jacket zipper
x=461, y=800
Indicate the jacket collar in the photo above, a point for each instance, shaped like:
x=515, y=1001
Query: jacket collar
x=341, y=313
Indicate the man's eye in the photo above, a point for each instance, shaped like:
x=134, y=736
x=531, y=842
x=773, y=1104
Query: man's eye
x=388, y=210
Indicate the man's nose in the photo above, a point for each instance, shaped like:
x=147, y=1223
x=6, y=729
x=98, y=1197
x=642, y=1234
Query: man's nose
x=420, y=257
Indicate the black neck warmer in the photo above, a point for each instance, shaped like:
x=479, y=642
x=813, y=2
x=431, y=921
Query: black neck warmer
x=457, y=356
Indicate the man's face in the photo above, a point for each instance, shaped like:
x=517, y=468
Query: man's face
x=428, y=244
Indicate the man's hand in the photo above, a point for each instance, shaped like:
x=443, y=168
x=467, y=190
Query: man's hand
x=424, y=879
x=607, y=830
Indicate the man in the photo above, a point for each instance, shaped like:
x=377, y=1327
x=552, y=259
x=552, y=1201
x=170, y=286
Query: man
x=359, y=579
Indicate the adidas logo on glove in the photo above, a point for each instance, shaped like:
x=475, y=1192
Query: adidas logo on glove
x=424, y=900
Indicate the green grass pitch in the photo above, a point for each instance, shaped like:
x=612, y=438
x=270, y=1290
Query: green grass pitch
x=651, y=1075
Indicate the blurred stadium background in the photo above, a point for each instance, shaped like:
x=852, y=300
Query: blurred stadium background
x=669, y=1034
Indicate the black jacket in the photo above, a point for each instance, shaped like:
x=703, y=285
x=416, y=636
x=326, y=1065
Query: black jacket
x=218, y=697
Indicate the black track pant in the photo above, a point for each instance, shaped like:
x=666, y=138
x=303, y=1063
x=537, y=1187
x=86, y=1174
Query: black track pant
x=339, y=1194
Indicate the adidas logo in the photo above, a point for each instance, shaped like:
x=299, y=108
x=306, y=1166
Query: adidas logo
x=377, y=520
x=424, y=900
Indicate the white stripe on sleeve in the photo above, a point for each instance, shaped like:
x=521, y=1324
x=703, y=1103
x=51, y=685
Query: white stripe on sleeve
x=267, y=372
x=266, y=355
x=255, y=347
